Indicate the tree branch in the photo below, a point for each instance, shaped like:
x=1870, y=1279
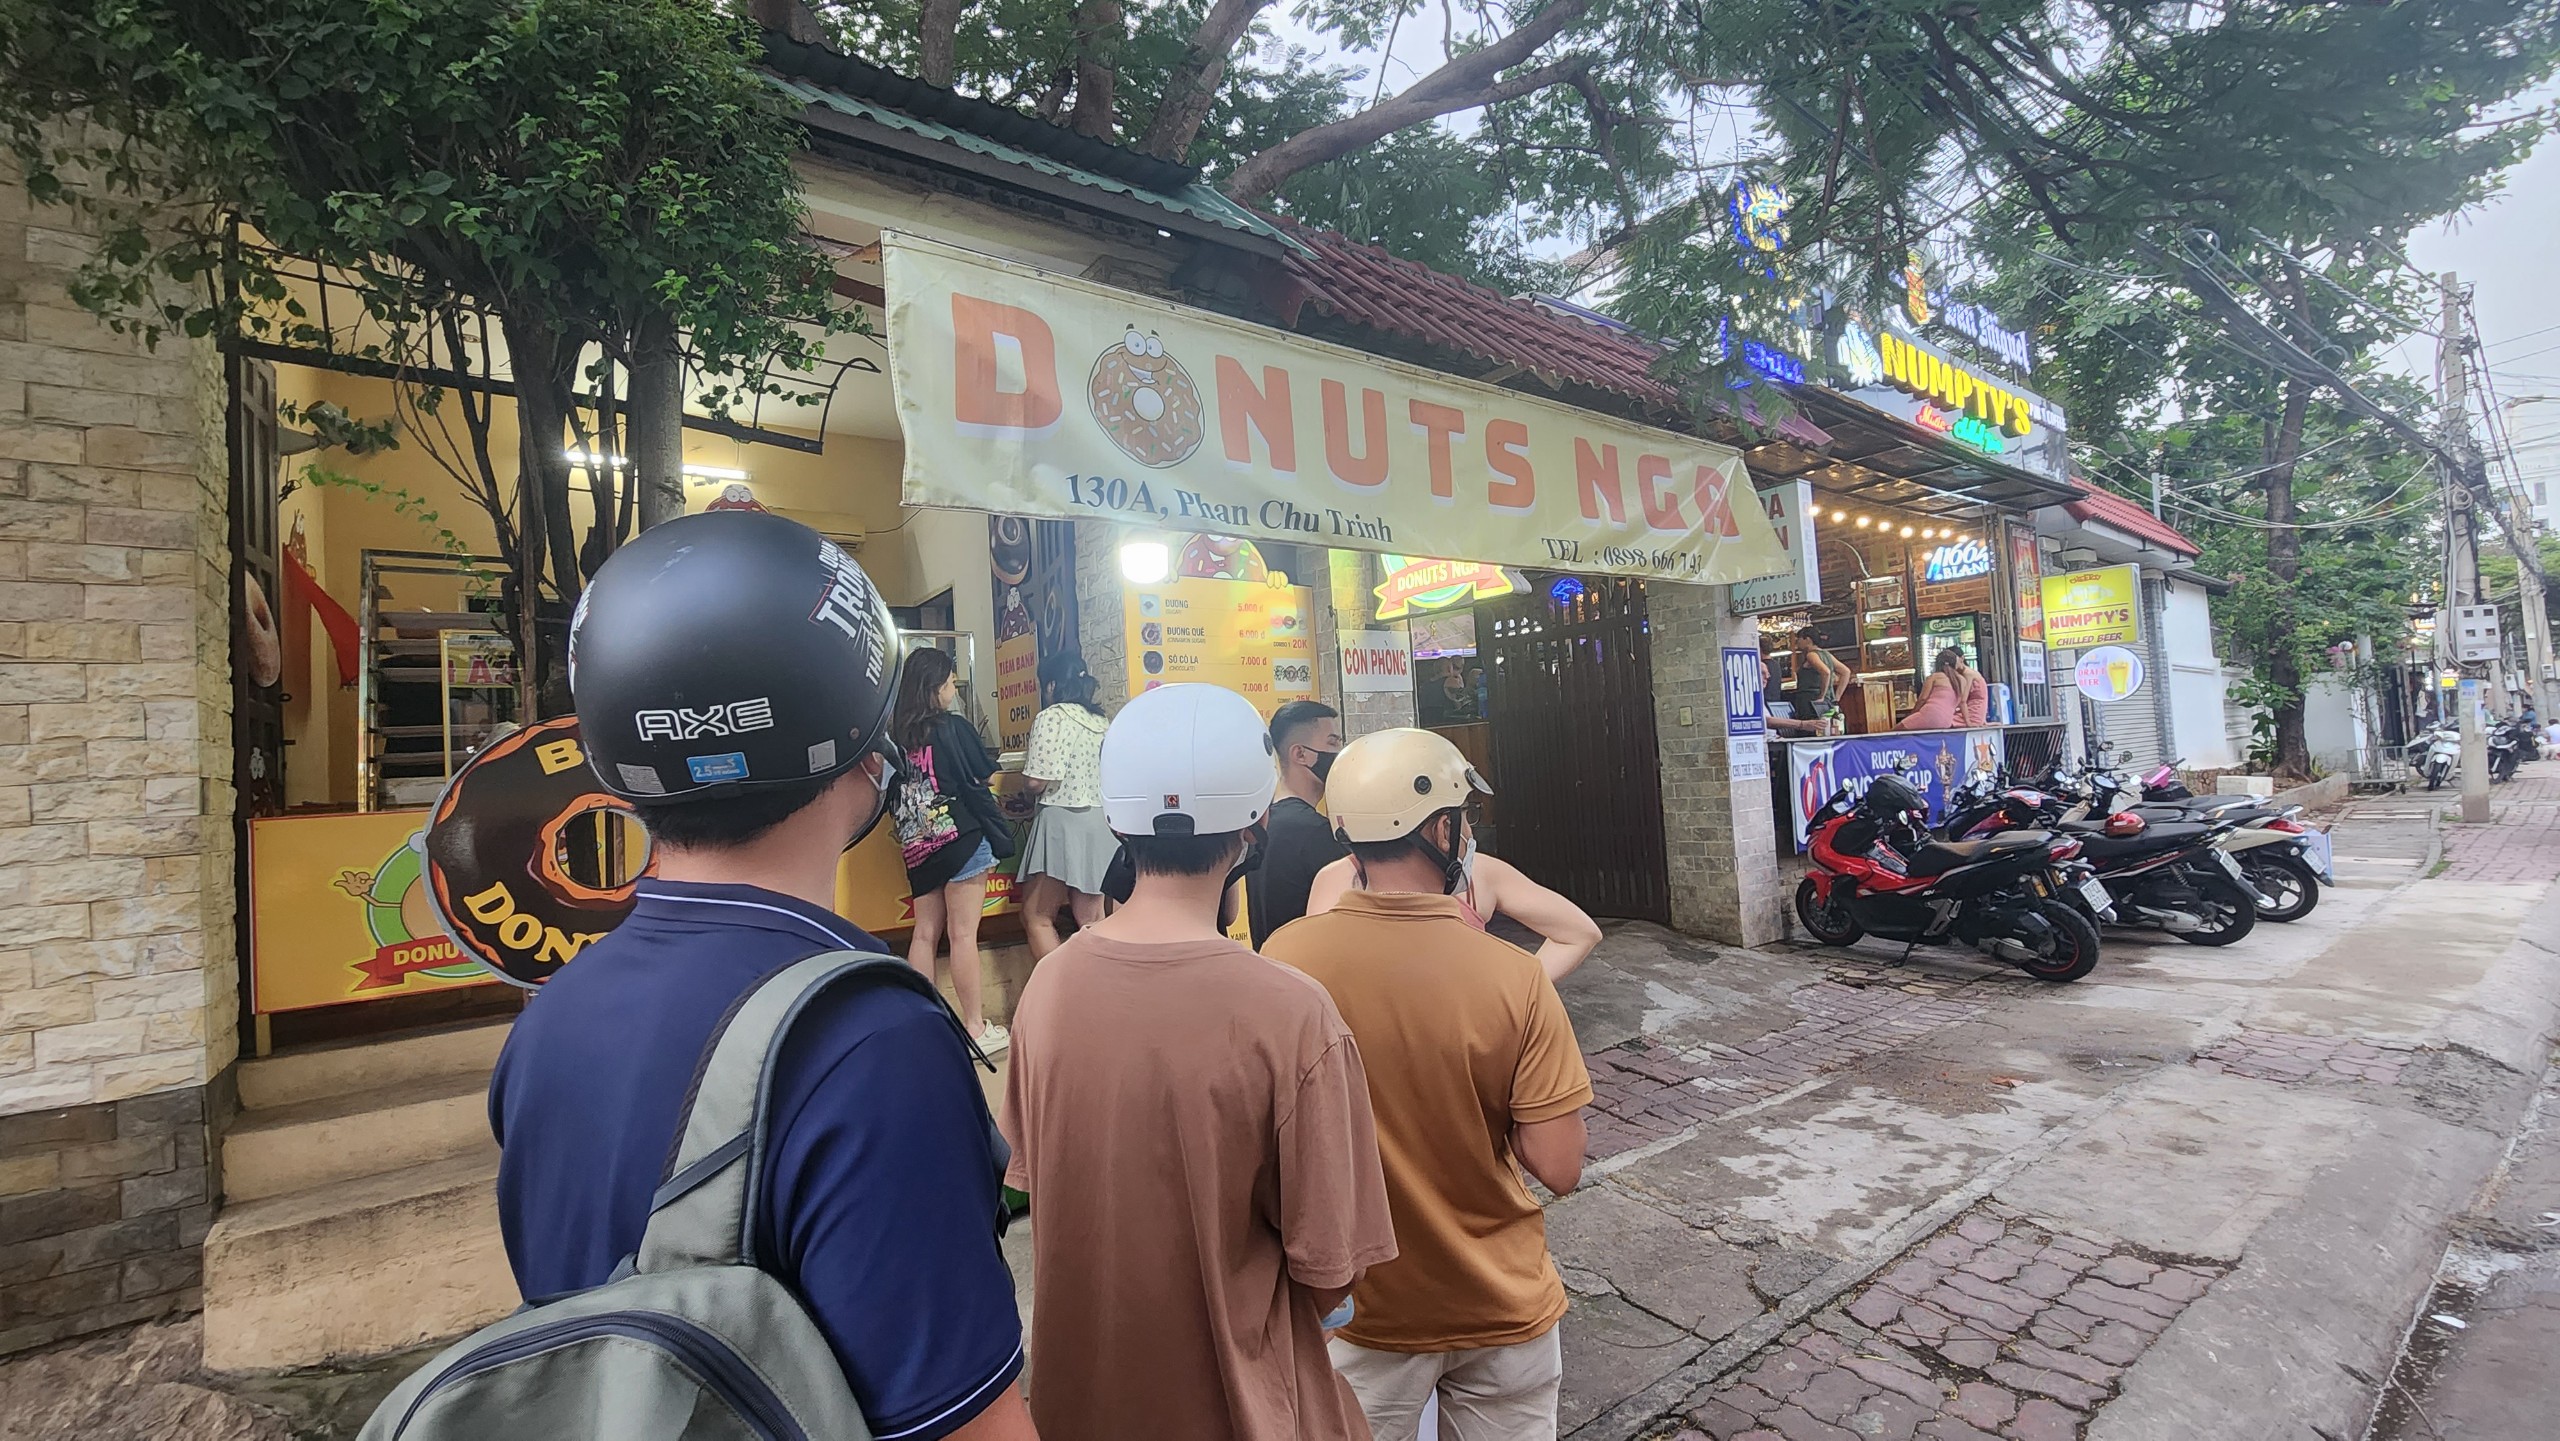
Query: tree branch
x=1469, y=81
x=1193, y=86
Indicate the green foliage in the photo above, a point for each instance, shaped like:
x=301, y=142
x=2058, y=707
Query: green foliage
x=1479, y=198
x=577, y=161
x=340, y=431
x=572, y=178
x=406, y=503
x=2263, y=698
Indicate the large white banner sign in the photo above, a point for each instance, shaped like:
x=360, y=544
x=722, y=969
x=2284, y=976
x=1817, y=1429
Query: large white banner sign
x=1023, y=392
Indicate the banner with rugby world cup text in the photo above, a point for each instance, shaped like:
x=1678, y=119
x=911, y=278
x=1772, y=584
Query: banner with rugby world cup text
x=1024, y=392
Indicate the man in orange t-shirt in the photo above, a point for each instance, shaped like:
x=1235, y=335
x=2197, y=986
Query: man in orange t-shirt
x=1473, y=1073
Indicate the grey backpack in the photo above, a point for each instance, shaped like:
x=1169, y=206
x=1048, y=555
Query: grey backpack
x=688, y=1341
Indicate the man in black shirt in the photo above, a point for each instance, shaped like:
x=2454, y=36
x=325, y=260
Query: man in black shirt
x=1304, y=735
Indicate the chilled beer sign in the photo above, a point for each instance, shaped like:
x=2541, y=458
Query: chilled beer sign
x=1024, y=392
x=2088, y=608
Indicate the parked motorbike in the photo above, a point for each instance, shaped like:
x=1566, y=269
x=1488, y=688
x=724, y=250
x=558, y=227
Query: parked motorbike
x=2173, y=875
x=2436, y=755
x=2506, y=750
x=2281, y=859
x=1877, y=871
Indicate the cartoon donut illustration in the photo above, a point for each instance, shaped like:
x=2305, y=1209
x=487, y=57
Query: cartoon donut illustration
x=735, y=496
x=1009, y=548
x=1221, y=557
x=1146, y=402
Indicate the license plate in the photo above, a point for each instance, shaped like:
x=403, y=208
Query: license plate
x=2230, y=867
x=2315, y=849
x=2095, y=894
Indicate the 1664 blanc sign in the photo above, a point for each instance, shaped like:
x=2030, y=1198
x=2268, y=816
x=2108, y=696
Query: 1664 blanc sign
x=1023, y=392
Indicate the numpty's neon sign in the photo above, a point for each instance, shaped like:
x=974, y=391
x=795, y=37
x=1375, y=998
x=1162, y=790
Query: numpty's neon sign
x=1932, y=376
x=1966, y=428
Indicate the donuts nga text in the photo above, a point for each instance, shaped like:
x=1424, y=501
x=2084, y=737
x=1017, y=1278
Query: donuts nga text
x=1023, y=393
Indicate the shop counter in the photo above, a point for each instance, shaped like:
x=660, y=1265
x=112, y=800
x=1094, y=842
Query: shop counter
x=1805, y=771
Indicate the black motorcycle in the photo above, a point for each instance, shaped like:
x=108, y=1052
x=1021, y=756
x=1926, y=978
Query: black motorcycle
x=2167, y=874
x=1877, y=871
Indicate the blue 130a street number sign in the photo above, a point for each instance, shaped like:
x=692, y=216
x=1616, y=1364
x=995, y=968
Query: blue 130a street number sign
x=1745, y=710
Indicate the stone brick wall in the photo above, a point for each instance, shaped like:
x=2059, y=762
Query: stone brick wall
x=1721, y=835
x=118, y=979
x=102, y=1209
x=1352, y=605
x=1102, y=624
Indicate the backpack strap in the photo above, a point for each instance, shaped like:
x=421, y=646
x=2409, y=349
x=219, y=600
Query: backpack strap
x=703, y=1214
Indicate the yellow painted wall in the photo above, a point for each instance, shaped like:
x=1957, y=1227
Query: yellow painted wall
x=849, y=490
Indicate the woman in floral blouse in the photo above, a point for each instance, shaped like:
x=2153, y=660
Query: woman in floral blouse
x=1071, y=844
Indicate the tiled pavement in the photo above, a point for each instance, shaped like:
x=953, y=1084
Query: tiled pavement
x=1643, y=1092
x=1994, y=1328
x=2278, y=1056
x=2523, y=845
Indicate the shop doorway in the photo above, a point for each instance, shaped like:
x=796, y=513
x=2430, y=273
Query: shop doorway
x=1576, y=774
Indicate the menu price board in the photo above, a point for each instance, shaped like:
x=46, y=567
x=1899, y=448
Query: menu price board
x=1252, y=637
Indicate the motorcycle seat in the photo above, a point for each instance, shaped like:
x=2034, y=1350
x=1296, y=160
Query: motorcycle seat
x=2095, y=845
x=2159, y=813
x=1939, y=857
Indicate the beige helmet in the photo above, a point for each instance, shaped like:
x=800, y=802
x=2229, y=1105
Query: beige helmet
x=1387, y=783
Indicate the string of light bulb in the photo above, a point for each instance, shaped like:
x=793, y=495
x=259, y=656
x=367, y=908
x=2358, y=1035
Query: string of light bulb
x=1889, y=524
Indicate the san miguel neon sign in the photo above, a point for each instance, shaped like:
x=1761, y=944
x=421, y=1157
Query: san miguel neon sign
x=1920, y=371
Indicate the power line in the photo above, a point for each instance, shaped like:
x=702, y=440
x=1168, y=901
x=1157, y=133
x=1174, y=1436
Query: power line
x=2512, y=339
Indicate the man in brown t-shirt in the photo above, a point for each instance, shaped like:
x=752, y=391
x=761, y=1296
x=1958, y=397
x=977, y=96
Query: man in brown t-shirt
x=1192, y=1124
x=1474, y=1074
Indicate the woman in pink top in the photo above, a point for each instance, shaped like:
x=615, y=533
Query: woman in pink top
x=1941, y=695
x=1975, y=708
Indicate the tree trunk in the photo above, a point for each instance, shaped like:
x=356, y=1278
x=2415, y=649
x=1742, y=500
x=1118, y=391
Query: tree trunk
x=937, y=29
x=545, y=364
x=2284, y=566
x=1100, y=29
x=1465, y=82
x=1193, y=86
x=656, y=424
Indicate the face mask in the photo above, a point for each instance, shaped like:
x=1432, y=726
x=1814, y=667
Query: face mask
x=1467, y=863
x=893, y=775
x=1322, y=765
x=1251, y=860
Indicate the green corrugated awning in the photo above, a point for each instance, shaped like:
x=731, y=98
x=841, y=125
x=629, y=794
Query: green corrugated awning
x=1194, y=199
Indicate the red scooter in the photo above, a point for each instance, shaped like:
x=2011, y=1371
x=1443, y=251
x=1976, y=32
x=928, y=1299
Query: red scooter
x=1876, y=871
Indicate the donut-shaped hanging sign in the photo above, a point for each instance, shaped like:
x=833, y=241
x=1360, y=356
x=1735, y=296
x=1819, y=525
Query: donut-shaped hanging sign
x=498, y=855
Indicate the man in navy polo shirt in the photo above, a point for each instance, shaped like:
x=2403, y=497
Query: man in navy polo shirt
x=733, y=673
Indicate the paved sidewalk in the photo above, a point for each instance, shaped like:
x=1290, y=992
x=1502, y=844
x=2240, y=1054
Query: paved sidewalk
x=1832, y=1198
x=2201, y=1194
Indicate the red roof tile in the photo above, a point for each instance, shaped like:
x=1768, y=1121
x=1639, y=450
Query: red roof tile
x=1373, y=289
x=2109, y=508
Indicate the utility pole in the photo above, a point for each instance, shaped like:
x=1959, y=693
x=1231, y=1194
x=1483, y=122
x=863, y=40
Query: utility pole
x=2462, y=553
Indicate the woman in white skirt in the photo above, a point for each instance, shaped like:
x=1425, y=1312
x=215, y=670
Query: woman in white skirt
x=1071, y=844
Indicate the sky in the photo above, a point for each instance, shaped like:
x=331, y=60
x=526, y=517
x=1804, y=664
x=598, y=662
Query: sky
x=2505, y=251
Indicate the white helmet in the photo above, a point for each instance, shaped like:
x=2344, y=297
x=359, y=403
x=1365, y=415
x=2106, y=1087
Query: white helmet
x=1185, y=760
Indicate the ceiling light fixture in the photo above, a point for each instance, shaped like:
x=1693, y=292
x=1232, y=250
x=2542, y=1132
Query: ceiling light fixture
x=698, y=472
